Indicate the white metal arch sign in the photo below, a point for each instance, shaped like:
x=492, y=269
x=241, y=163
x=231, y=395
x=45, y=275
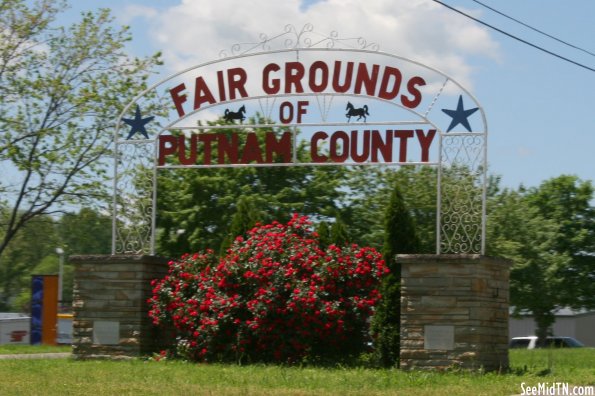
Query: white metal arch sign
x=348, y=106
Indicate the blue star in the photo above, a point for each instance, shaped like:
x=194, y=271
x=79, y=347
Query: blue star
x=460, y=115
x=137, y=124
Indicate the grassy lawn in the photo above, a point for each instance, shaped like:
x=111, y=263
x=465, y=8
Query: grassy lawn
x=138, y=377
x=26, y=349
x=21, y=349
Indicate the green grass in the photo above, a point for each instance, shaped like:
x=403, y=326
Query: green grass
x=139, y=377
x=21, y=349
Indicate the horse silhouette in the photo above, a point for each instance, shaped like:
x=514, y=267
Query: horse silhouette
x=352, y=112
x=235, y=115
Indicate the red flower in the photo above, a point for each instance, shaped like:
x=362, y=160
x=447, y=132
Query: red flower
x=275, y=296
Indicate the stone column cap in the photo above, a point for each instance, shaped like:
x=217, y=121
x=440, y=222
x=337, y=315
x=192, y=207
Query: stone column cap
x=117, y=258
x=450, y=258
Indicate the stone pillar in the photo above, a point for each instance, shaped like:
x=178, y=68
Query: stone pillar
x=454, y=312
x=110, y=310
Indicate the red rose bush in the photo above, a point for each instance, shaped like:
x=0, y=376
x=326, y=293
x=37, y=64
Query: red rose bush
x=275, y=297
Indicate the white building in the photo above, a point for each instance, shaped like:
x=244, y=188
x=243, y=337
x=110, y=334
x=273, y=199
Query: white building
x=14, y=328
x=576, y=324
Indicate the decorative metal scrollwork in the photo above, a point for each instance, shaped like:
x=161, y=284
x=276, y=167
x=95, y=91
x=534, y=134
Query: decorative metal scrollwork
x=133, y=198
x=460, y=224
x=292, y=38
x=462, y=198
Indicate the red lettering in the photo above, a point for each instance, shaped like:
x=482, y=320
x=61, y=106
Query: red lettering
x=363, y=157
x=302, y=109
x=207, y=139
x=17, y=335
x=367, y=79
x=286, y=112
x=334, y=148
x=177, y=98
x=391, y=83
x=384, y=147
x=202, y=93
x=281, y=147
x=314, y=147
x=237, y=78
x=251, y=150
x=221, y=86
x=403, y=135
x=413, y=90
x=168, y=145
x=182, y=150
x=227, y=148
x=425, y=141
x=318, y=84
x=270, y=86
x=294, y=72
x=348, y=75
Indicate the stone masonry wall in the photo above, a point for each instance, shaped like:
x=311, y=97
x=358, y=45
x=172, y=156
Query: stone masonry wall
x=454, y=312
x=110, y=313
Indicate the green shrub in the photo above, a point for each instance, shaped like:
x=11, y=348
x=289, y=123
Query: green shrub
x=274, y=297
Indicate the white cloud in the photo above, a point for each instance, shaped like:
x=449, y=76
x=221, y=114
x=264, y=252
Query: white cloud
x=135, y=11
x=195, y=31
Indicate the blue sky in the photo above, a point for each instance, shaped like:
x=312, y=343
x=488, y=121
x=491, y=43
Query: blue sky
x=540, y=109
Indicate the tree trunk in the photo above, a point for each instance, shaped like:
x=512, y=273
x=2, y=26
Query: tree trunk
x=544, y=320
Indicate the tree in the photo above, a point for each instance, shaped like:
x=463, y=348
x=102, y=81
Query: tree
x=245, y=217
x=325, y=238
x=339, y=232
x=61, y=90
x=49, y=265
x=567, y=201
x=517, y=232
x=400, y=237
x=33, y=251
x=334, y=233
x=36, y=240
x=370, y=194
x=85, y=232
x=204, y=202
x=547, y=233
